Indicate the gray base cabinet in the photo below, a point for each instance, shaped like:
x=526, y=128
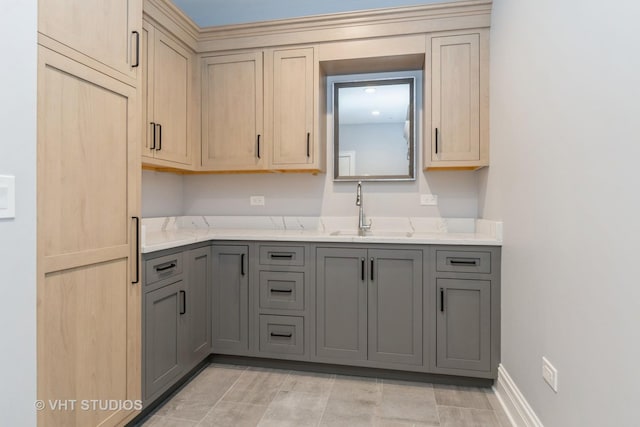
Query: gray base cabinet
x=341, y=303
x=164, y=334
x=369, y=305
x=176, y=310
x=198, y=300
x=463, y=324
x=230, y=299
x=465, y=284
x=395, y=306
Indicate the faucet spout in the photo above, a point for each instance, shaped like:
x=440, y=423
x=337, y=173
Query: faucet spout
x=362, y=226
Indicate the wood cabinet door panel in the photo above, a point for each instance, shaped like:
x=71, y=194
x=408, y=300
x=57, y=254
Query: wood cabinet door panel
x=232, y=113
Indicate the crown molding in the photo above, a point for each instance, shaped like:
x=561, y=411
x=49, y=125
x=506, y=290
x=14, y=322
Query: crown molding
x=384, y=22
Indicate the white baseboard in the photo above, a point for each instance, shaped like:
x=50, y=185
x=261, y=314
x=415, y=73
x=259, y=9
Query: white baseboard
x=515, y=405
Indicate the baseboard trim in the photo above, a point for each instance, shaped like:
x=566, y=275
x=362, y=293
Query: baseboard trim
x=513, y=402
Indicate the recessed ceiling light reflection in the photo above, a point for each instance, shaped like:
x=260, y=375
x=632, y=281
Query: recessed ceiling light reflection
x=375, y=113
x=370, y=90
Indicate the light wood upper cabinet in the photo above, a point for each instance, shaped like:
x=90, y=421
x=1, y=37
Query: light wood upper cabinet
x=456, y=134
x=232, y=113
x=258, y=111
x=291, y=104
x=88, y=193
x=101, y=30
x=166, y=85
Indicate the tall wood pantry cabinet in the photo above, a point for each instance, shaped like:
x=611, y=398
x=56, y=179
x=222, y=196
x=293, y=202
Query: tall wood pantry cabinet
x=88, y=291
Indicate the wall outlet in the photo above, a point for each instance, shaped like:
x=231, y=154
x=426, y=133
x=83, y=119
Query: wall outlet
x=428, y=200
x=550, y=374
x=256, y=200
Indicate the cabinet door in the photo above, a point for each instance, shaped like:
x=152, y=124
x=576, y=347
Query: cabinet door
x=341, y=303
x=198, y=339
x=232, y=113
x=88, y=284
x=293, y=144
x=230, y=307
x=146, y=91
x=164, y=338
x=455, y=100
x=102, y=30
x=171, y=88
x=463, y=324
x=395, y=306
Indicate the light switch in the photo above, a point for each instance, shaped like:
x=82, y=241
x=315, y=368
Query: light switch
x=7, y=196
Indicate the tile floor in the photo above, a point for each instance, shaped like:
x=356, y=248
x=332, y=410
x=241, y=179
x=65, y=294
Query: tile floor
x=229, y=395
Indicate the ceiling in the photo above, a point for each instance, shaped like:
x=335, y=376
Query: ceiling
x=359, y=106
x=207, y=13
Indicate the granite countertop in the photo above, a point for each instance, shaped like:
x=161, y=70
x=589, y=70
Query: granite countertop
x=169, y=232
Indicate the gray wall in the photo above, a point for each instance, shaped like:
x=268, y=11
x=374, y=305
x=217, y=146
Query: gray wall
x=565, y=144
x=161, y=194
x=305, y=194
x=18, y=20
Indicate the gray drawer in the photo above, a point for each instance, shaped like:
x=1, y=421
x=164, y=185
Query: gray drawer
x=282, y=255
x=463, y=261
x=163, y=268
x=281, y=334
x=281, y=290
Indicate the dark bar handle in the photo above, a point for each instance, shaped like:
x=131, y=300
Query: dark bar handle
x=159, y=136
x=436, y=140
x=281, y=256
x=137, y=34
x=282, y=291
x=184, y=302
x=137, y=250
x=289, y=335
x=242, y=265
x=308, y=144
x=168, y=267
x=441, y=299
x=258, y=146
x=371, y=268
x=153, y=145
x=463, y=262
x=362, y=269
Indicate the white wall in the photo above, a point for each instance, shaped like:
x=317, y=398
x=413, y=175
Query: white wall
x=161, y=194
x=565, y=150
x=380, y=148
x=18, y=20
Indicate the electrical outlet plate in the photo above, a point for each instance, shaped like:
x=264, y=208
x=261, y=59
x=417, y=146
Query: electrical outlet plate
x=256, y=200
x=550, y=374
x=428, y=200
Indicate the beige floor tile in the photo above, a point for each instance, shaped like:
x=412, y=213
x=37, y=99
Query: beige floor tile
x=295, y=409
x=463, y=397
x=232, y=414
x=256, y=386
x=499, y=410
x=356, y=388
x=466, y=417
x=158, y=421
x=308, y=382
x=407, y=402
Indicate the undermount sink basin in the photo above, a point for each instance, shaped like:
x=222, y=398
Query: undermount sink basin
x=373, y=234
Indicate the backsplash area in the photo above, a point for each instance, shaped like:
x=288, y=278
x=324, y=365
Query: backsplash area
x=167, y=194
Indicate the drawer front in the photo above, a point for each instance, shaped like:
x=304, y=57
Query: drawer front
x=281, y=334
x=463, y=261
x=282, y=255
x=163, y=268
x=281, y=290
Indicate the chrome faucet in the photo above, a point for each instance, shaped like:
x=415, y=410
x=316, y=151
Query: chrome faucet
x=362, y=227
